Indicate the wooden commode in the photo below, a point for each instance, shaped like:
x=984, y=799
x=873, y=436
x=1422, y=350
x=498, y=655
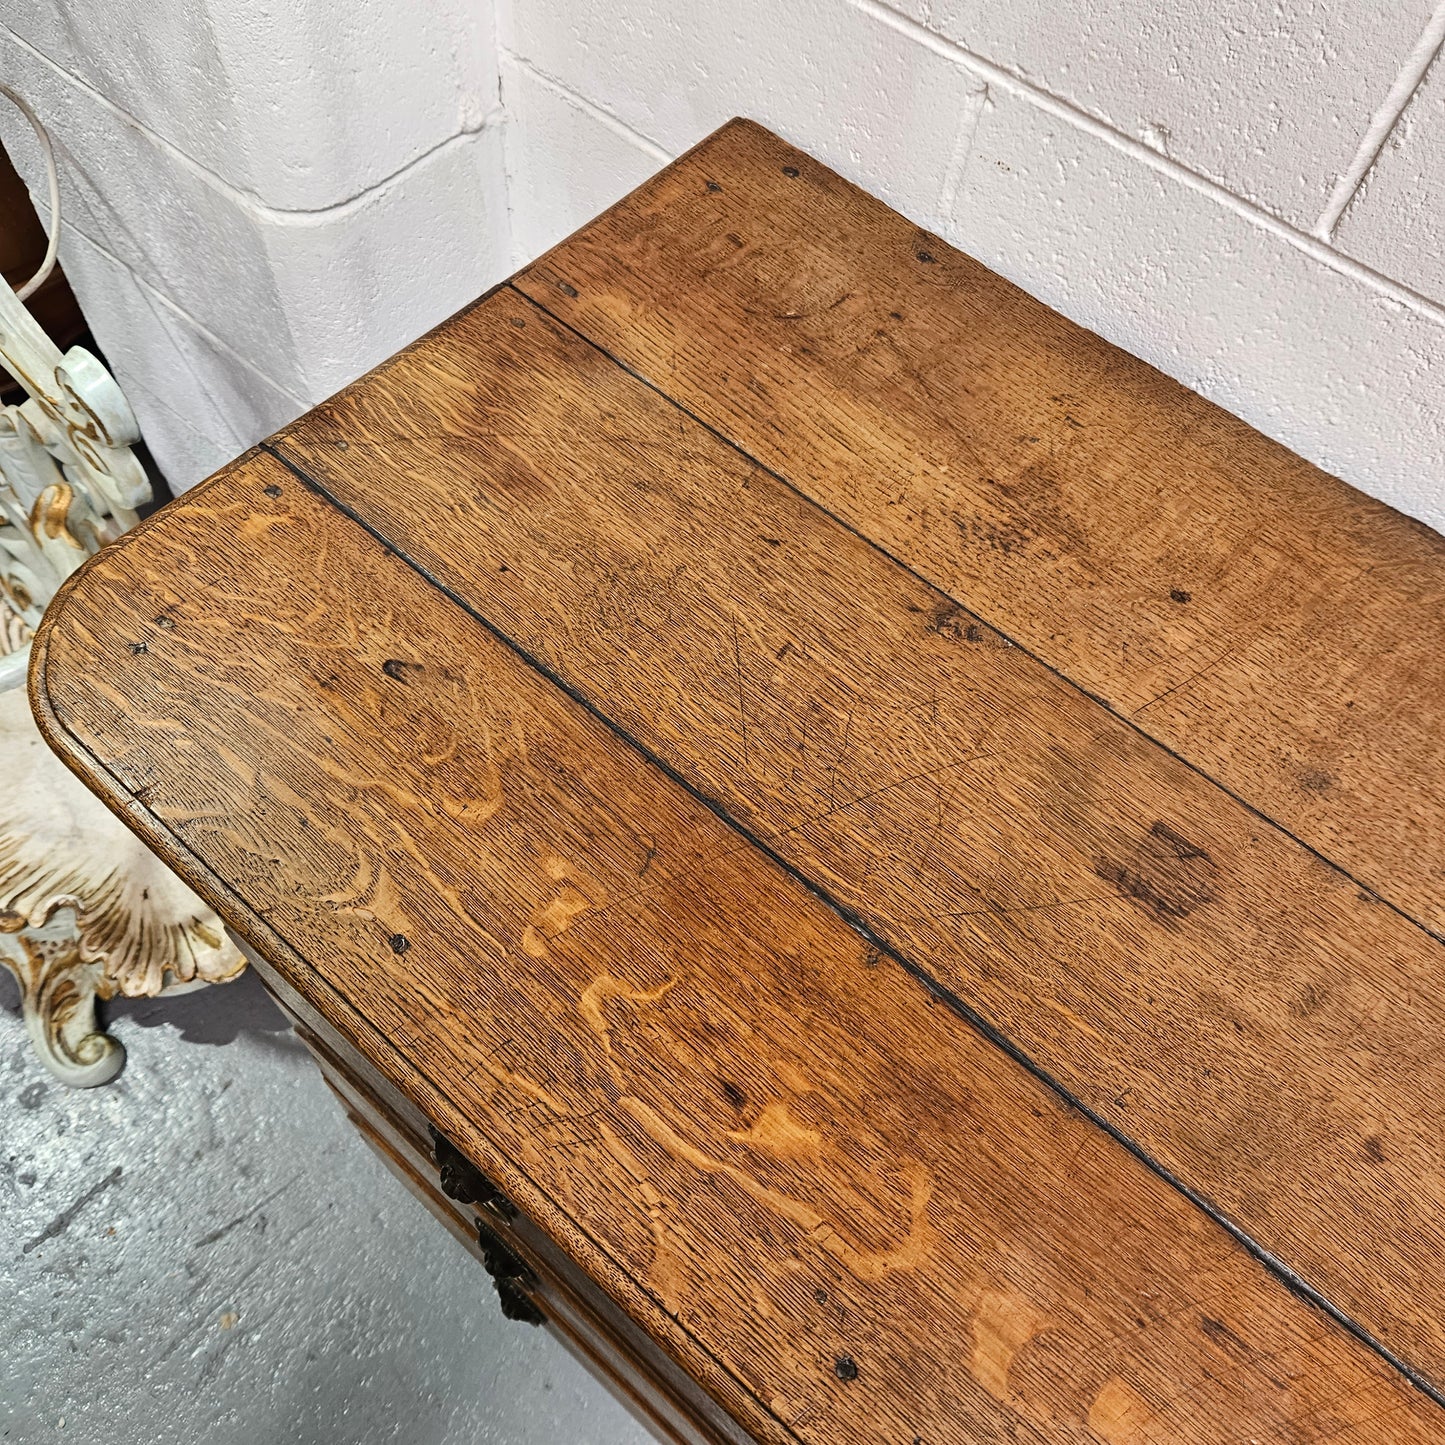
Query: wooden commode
x=878, y=859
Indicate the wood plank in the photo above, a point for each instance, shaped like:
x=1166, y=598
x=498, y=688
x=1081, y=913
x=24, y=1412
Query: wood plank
x=874, y=1224
x=1262, y=619
x=1262, y=1028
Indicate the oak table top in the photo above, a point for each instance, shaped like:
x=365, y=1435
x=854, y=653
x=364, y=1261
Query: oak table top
x=907, y=842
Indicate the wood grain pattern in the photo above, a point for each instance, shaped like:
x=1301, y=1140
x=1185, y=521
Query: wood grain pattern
x=792, y=1155
x=1218, y=994
x=1272, y=625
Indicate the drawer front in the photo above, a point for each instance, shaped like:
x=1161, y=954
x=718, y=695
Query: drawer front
x=535, y=1281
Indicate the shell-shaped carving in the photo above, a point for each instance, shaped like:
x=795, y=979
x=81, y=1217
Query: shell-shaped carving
x=60, y=847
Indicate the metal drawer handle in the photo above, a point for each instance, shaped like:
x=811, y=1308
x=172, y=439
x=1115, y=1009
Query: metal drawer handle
x=513, y=1279
x=461, y=1180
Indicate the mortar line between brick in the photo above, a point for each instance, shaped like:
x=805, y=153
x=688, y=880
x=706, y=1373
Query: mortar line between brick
x=176, y=309
x=249, y=200
x=994, y=74
x=1383, y=122
x=589, y=107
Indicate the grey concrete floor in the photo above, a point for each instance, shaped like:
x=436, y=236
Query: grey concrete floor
x=204, y=1250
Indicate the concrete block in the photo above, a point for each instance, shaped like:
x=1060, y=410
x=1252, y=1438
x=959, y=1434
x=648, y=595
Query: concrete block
x=197, y=403
x=1320, y=360
x=296, y=103
x=858, y=94
x=1271, y=101
x=1396, y=223
x=565, y=163
x=311, y=300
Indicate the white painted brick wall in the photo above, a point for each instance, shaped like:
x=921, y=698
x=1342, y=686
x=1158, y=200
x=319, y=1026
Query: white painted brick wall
x=297, y=104
x=1165, y=174
x=1269, y=100
x=268, y=198
x=261, y=200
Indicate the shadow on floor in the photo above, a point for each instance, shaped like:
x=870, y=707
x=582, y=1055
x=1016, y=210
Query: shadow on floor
x=216, y=1015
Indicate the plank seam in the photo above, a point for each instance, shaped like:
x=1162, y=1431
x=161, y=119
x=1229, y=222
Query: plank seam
x=1125, y=718
x=1293, y=1282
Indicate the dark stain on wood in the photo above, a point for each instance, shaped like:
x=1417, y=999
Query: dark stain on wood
x=1167, y=875
x=951, y=621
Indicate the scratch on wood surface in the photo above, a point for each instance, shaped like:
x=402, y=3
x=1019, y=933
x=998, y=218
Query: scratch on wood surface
x=742, y=701
x=1168, y=876
x=937, y=770
x=866, y=1264
x=837, y=761
x=1003, y=1323
x=1085, y=1143
x=1192, y=678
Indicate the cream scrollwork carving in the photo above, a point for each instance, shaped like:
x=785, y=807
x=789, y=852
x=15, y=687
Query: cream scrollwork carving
x=69, y=482
x=86, y=912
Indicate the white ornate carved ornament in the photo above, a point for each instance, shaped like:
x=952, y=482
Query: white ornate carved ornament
x=68, y=480
x=85, y=910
